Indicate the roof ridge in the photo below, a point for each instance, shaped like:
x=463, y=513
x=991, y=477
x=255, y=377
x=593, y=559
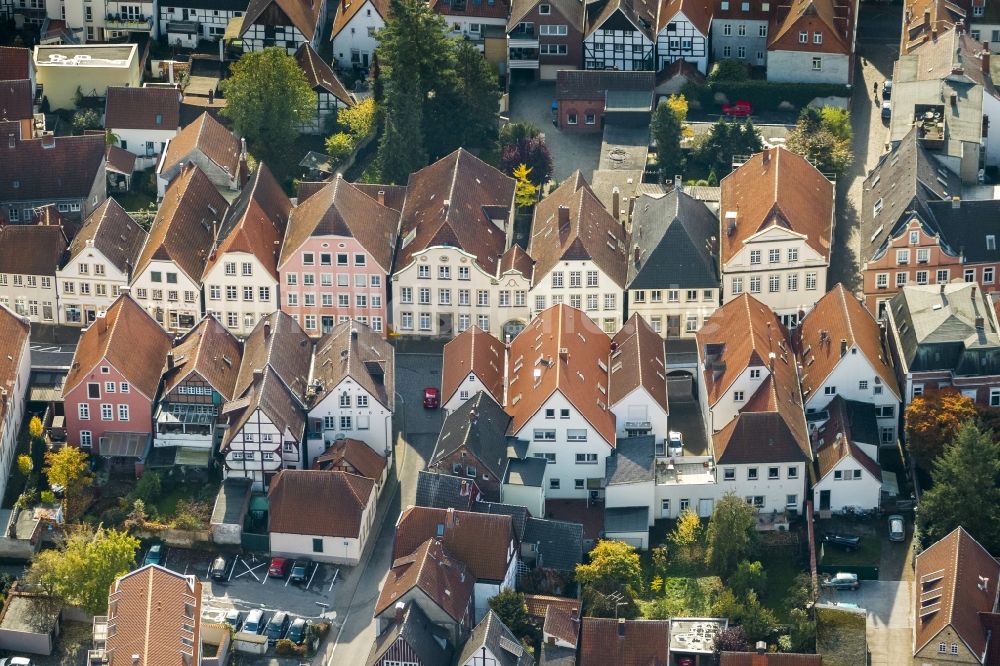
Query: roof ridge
x=149, y=619
x=847, y=315
x=451, y=188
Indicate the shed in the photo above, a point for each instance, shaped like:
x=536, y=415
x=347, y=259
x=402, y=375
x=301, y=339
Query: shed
x=30, y=623
x=629, y=524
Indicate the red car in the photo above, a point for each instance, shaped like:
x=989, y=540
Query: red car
x=279, y=567
x=432, y=398
x=739, y=109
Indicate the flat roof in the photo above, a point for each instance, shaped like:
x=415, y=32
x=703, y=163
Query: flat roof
x=231, y=502
x=696, y=634
x=85, y=55
x=30, y=614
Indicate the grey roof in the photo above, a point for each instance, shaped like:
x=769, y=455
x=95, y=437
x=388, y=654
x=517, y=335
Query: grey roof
x=480, y=425
x=595, y=84
x=559, y=543
x=442, y=491
x=353, y=350
x=936, y=329
x=525, y=472
x=633, y=461
x=906, y=179
x=518, y=514
x=629, y=100
x=672, y=236
x=965, y=225
x=232, y=501
x=417, y=631
x=557, y=655
x=626, y=519
x=494, y=635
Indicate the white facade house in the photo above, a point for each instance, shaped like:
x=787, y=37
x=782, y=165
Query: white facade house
x=813, y=42
x=473, y=361
x=847, y=477
x=684, y=35
x=286, y=24
x=776, y=246
x=30, y=256
x=622, y=37
x=354, y=27
x=638, y=381
x=186, y=22
x=143, y=120
x=15, y=372
x=105, y=21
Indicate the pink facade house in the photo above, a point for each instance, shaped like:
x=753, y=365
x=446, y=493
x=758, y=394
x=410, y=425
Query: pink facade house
x=336, y=259
x=114, y=379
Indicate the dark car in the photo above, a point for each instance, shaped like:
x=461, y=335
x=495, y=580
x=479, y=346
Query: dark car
x=218, y=569
x=155, y=554
x=886, y=110
x=842, y=581
x=897, y=528
x=301, y=569
x=276, y=628
x=887, y=89
x=297, y=631
x=279, y=567
x=846, y=541
x=432, y=398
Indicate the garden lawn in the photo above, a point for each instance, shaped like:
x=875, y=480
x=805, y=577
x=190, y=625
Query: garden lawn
x=868, y=553
x=781, y=569
x=840, y=637
x=166, y=504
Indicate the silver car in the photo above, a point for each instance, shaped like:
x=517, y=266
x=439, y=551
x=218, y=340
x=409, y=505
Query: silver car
x=897, y=528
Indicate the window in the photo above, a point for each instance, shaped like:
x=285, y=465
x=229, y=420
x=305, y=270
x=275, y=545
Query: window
x=406, y=294
x=803, y=37
x=773, y=283
x=109, y=387
x=995, y=397
x=691, y=324
x=553, y=484
x=557, y=280
x=970, y=274
x=900, y=279
x=737, y=396
x=444, y=296
x=123, y=387
x=549, y=413
x=544, y=10
x=317, y=545
x=107, y=413
x=991, y=242
x=578, y=484
x=86, y=439
x=882, y=280
x=586, y=459
x=444, y=272
x=773, y=256
x=544, y=435
x=793, y=282
x=482, y=298
x=550, y=458
x=425, y=296
x=954, y=646
x=424, y=272
x=793, y=472
x=762, y=32
x=810, y=281
x=570, y=120
x=672, y=296
x=123, y=412
x=463, y=273
x=94, y=391
x=751, y=474
x=755, y=284
x=609, y=301
x=773, y=473
x=988, y=275
x=756, y=501
x=817, y=64
x=923, y=255
x=902, y=257
x=921, y=277
x=754, y=256
x=727, y=29
x=345, y=423
x=737, y=285
x=685, y=504
x=539, y=302
x=83, y=411
x=425, y=321
x=729, y=474
x=817, y=38
x=564, y=413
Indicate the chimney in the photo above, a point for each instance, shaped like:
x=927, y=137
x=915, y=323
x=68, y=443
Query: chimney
x=621, y=627
x=979, y=323
x=450, y=521
x=170, y=360
x=258, y=372
x=563, y=218
x=927, y=18
x=398, y=609
x=381, y=197
x=986, y=57
x=956, y=202
x=616, y=204
x=843, y=347
x=767, y=156
x=267, y=330
x=637, y=252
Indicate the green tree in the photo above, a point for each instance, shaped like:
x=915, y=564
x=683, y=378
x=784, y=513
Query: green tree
x=728, y=70
x=512, y=134
x=148, y=488
x=613, y=575
x=85, y=119
x=81, y=570
x=67, y=469
x=931, y=421
x=748, y=577
x=267, y=99
x=970, y=461
x=475, y=118
x=802, y=630
x=731, y=535
x=525, y=192
x=666, y=132
x=687, y=534
x=339, y=146
x=360, y=120
x=820, y=136
x=401, y=149
x=715, y=149
x=510, y=607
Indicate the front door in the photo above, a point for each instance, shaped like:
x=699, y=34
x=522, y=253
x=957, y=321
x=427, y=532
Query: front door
x=664, y=508
x=185, y=13
x=673, y=326
x=824, y=500
x=364, y=61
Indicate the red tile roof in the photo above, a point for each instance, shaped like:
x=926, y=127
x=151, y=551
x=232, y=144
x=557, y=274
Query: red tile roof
x=120, y=160
x=610, y=642
x=776, y=188
x=769, y=659
x=140, y=108
x=16, y=102
x=356, y=454
x=209, y=350
x=347, y=9
x=207, y=135
x=562, y=623
x=515, y=259
x=831, y=18
x=578, y=374
x=473, y=351
x=538, y=604
x=32, y=249
x=295, y=494
x=49, y=168
x=698, y=12
x=15, y=63
x=499, y=9
x=481, y=540
x=431, y=568
x=14, y=332
x=304, y=14
x=638, y=361
x=828, y=455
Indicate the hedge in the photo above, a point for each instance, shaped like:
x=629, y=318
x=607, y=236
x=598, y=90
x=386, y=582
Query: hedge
x=763, y=95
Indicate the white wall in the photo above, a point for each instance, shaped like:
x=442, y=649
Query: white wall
x=727, y=407
x=864, y=492
x=637, y=403
x=991, y=109
x=533, y=499
x=685, y=31
x=356, y=35
x=17, y=396
x=607, y=319
x=240, y=316
x=134, y=141
x=632, y=494
x=377, y=434
x=797, y=67
x=28, y=296
x=656, y=313
x=164, y=310
x=110, y=283
x=249, y=441
x=849, y=371
x=468, y=388
x=337, y=550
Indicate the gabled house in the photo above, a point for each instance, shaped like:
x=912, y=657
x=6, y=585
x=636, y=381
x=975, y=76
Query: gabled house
x=168, y=275
x=553, y=545
x=637, y=390
x=561, y=627
x=673, y=264
x=143, y=120
x=241, y=273
x=352, y=388
x=101, y=259
x=611, y=642
x=68, y=171
x=433, y=579
x=845, y=476
x=474, y=443
x=15, y=375
x=473, y=361
x=286, y=24
x=410, y=635
x=840, y=350
x=209, y=145
x=586, y=100
x=354, y=457
x=30, y=258
x=558, y=399
x=331, y=94
x=491, y=642
x=683, y=28
x=267, y=414
x=444, y=491
x=112, y=385
x=579, y=250
x=353, y=35
x=955, y=602
x=199, y=377
x=777, y=213
x=542, y=51
x=336, y=536
x=740, y=31
x=813, y=41
x=620, y=34
x=336, y=259
x=944, y=336
x=190, y=21
x=454, y=230
x=485, y=542
x=853, y=420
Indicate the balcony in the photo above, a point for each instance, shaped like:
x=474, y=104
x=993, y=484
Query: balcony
x=689, y=472
x=184, y=27
x=131, y=24
x=184, y=425
x=522, y=57
x=97, y=655
x=522, y=38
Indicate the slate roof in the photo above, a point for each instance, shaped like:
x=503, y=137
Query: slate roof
x=130, y=340
x=294, y=494
x=32, y=249
x=355, y=453
x=418, y=633
x=480, y=540
x=633, y=461
x=855, y=419
x=951, y=572
x=140, y=108
x=50, y=168
x=454, y=202
x=182, y=231
x=556, y=655
x=638, y=362
x=493, y=635
x=776, y=188
x=577, y=375
x=444, y=491
x=828, y=455
x=346, y=11
x=966, y=226
x=518, y=514
x=572, y=224
x=639, y=15
x=207, y=135
x=431, y=568
x=480, y=427
x=594, y=84
x=606, y=641
x=304, y=14
x=626, y=519
x=341, y=209
x=671, y=244
x=269, y=394
x=16, y=102
x=320, y=75
x=353, y=350
x=209, y=350
x=559, y=543
x=278, y=342
x=473, y=351
x=15, y=63
x=525, y=472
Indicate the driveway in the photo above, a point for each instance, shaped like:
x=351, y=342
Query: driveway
x=890, y=617
x=532, y=103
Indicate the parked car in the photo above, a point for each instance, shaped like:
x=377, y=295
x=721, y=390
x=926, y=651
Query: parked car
x=277, y=627
x=301, y=570
x=887, y=89
x=255, y=622
x=739, y=109
x=897, y=528
x=675, y=444
x=154, y=555
x=234, y=619
x=886, y=110
x=15, y=661
x=279, y=567
x=432, y=398
x=218, y=569
x=847, y=541
x=298, y=631
x=842, y=581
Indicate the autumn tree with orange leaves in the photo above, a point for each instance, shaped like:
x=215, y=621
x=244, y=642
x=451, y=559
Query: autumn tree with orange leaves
x=932, y=420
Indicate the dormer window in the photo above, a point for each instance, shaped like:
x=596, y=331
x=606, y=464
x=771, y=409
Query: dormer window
x=159, y=119
x=991, y=242
x=544, y=10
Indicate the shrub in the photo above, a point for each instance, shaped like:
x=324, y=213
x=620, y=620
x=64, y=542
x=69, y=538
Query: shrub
x=763, y=95
x=148, y=488
x=48, y=497
x=286, y=647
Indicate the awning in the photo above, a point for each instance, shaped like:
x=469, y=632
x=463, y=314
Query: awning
x=192, y=457
x=233, y=29
x=124, y=444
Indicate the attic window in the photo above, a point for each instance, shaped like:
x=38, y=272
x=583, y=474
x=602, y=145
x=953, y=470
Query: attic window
x=725, y=5
x=16, y=184
x=440, y=530
x=991, y=242
x=159, y=119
